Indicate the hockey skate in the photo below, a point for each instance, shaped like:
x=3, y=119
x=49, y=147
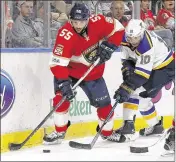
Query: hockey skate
x=170, y=141
x=124, y=134
x=114, y=137
x=54, y=138
x=153, y=130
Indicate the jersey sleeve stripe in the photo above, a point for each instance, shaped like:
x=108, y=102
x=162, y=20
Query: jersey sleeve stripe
x=143, y=72
x=167, y=61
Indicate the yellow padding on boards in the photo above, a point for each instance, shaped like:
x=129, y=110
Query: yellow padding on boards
x=148, y=117
x=77, y=130
x=130, y=106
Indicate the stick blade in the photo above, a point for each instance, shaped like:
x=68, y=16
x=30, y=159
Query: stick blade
x=138, y=149
x=14, y=146
x=78, y=145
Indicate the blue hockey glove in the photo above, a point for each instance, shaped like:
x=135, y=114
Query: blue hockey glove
x=66, y=89
x=127, y=69
x=123, y=93
x=105, y=51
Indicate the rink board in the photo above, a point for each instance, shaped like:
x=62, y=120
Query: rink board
x=33, y=86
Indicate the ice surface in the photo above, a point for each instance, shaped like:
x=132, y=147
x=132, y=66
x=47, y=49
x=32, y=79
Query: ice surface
x=102, y=151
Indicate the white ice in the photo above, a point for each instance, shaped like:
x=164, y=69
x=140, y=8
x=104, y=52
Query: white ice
x=102, y=151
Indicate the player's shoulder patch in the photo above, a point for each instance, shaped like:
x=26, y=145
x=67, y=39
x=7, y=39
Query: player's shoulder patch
x=58, y=50
x=145, y=45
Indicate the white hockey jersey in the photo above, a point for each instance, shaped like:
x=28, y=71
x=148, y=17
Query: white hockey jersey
x=151, y=54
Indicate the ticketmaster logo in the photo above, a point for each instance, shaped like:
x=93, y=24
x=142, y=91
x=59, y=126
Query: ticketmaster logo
x=7, y=93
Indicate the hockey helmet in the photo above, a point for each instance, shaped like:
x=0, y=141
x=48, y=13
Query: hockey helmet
x=134, y=31
x=135, y=28
x=80, y=11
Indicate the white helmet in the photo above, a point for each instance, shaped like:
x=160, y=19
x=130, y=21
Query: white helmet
x=135, y=28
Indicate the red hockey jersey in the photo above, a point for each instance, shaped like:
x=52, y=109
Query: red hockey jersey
x=165, y=18
x=148, y=18
x=73, y=54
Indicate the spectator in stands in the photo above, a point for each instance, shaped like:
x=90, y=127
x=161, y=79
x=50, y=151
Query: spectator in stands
x=102, y=7
x=24, y=30
x=61, y=7
x=147, y=15
x=166, y=15
x=117, y=11
x=130, y=8
x=57, y=20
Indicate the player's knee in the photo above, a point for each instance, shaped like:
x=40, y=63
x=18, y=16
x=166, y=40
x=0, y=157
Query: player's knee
x=103, y=112
x=65, y=105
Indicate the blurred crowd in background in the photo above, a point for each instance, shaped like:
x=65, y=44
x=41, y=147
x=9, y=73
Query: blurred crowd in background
x=34, y=24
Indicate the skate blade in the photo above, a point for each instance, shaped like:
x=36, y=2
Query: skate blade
x=131, y=137
x=168, y=153
x=52, y=143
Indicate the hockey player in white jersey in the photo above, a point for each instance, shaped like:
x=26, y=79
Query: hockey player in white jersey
x=148, y=65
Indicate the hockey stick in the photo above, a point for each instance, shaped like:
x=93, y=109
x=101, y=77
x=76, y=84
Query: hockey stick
x=90, y=145
x=146, y=148
x=15, y=146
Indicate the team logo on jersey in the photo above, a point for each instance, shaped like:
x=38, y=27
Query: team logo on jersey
x=7, y=93
x=59, y=50
x=90, y=53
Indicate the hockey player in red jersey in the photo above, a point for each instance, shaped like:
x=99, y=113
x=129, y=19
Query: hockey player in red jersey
x=166, y=16
x=147, y=15
x=77, y=46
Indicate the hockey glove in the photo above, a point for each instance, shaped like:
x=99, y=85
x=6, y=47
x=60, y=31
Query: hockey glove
x=105, y=51
x=66, y=89
x=127, y=69
x=123, y=93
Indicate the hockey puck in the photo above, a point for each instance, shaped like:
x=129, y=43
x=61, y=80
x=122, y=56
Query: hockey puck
x=46, y=151
x=138, y=149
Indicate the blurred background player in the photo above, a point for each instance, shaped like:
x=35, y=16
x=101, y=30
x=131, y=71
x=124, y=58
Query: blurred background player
x=76, y=48
x=147, y=64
